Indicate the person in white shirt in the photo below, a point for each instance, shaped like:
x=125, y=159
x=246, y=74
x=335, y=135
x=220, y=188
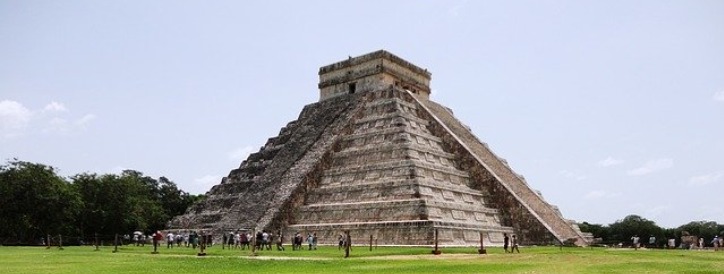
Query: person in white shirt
x=169, y=239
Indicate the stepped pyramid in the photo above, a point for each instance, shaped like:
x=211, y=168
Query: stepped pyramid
x=377, y=157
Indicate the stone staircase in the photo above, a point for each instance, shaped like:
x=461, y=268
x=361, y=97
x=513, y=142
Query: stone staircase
x=390, y=177
x=514, y=183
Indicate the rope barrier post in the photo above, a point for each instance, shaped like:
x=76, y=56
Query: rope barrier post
x=482, y=246
x=96, y=240
x=370, y=242
x=436, y=251
x=347, y=243
x=48, y=242
x=60, y=242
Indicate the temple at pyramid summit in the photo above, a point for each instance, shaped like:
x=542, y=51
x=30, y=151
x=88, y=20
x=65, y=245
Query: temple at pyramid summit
x=377, y=157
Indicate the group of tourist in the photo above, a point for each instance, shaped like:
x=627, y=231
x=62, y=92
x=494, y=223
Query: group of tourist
x=238, y=240
x=699, y=243
x=298, y=241
x=263, y=240
x=716, y=243
x=510, y=242
x=191, y=239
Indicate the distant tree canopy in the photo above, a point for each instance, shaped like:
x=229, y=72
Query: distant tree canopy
x=36, y=201
x=621, y=231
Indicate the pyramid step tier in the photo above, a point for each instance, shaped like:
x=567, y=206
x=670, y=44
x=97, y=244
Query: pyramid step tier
x=517, y=187
x=408, y=232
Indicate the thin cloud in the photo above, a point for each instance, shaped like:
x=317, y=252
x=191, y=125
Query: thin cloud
x=57, y=125
x=719, y=96
x=454, y=11
x=14, y=118
x=85, y=120
x=600, y=194
x=572, y=175
x=610, y=161
x=63, y=126
x=55, y=107
x=595, y=194
x=652, y=166
x=705, y=179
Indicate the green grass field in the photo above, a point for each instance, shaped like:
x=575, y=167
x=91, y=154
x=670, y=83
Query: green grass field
x=382, y=260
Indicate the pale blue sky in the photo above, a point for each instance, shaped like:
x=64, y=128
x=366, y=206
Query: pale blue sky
x=609, y=108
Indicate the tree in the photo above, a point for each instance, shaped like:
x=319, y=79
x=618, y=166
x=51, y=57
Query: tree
x=173, y=200
x=35, y=201
x=705, y=229
x=634, y=225
x=598, y=231
x=93, y=213
x=145, y=212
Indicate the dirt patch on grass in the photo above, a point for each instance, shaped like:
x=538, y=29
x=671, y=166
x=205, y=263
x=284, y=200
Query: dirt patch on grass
x=428, y=257
x=282, y=258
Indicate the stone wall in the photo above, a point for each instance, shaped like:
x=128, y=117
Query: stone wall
x=370, y=72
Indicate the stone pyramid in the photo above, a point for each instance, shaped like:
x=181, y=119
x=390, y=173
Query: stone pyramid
x=377, y=157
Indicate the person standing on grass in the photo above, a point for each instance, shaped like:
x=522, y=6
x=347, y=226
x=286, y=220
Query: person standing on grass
x=259, y=240
x=237, y=240
x=635, y=242
x=514, y=245
x=506, y=241
x=169, y=239
x=157, y=238
x=341, y=242
x=310, y=241
x=244, y=240
x=298, y=241
x=280, y=241
x=715, y=243
x=265, y=240
x=179, y=238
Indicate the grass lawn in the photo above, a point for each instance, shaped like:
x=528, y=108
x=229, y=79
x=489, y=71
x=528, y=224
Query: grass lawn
x=132, y=259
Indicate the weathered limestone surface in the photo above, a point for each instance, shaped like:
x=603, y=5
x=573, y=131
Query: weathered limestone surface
x=255, y=188
x=391, y=178
x=524, y=208
x=375, y=156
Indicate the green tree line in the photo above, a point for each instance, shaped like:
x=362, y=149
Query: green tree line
x=36, y=201
x=621, y=231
